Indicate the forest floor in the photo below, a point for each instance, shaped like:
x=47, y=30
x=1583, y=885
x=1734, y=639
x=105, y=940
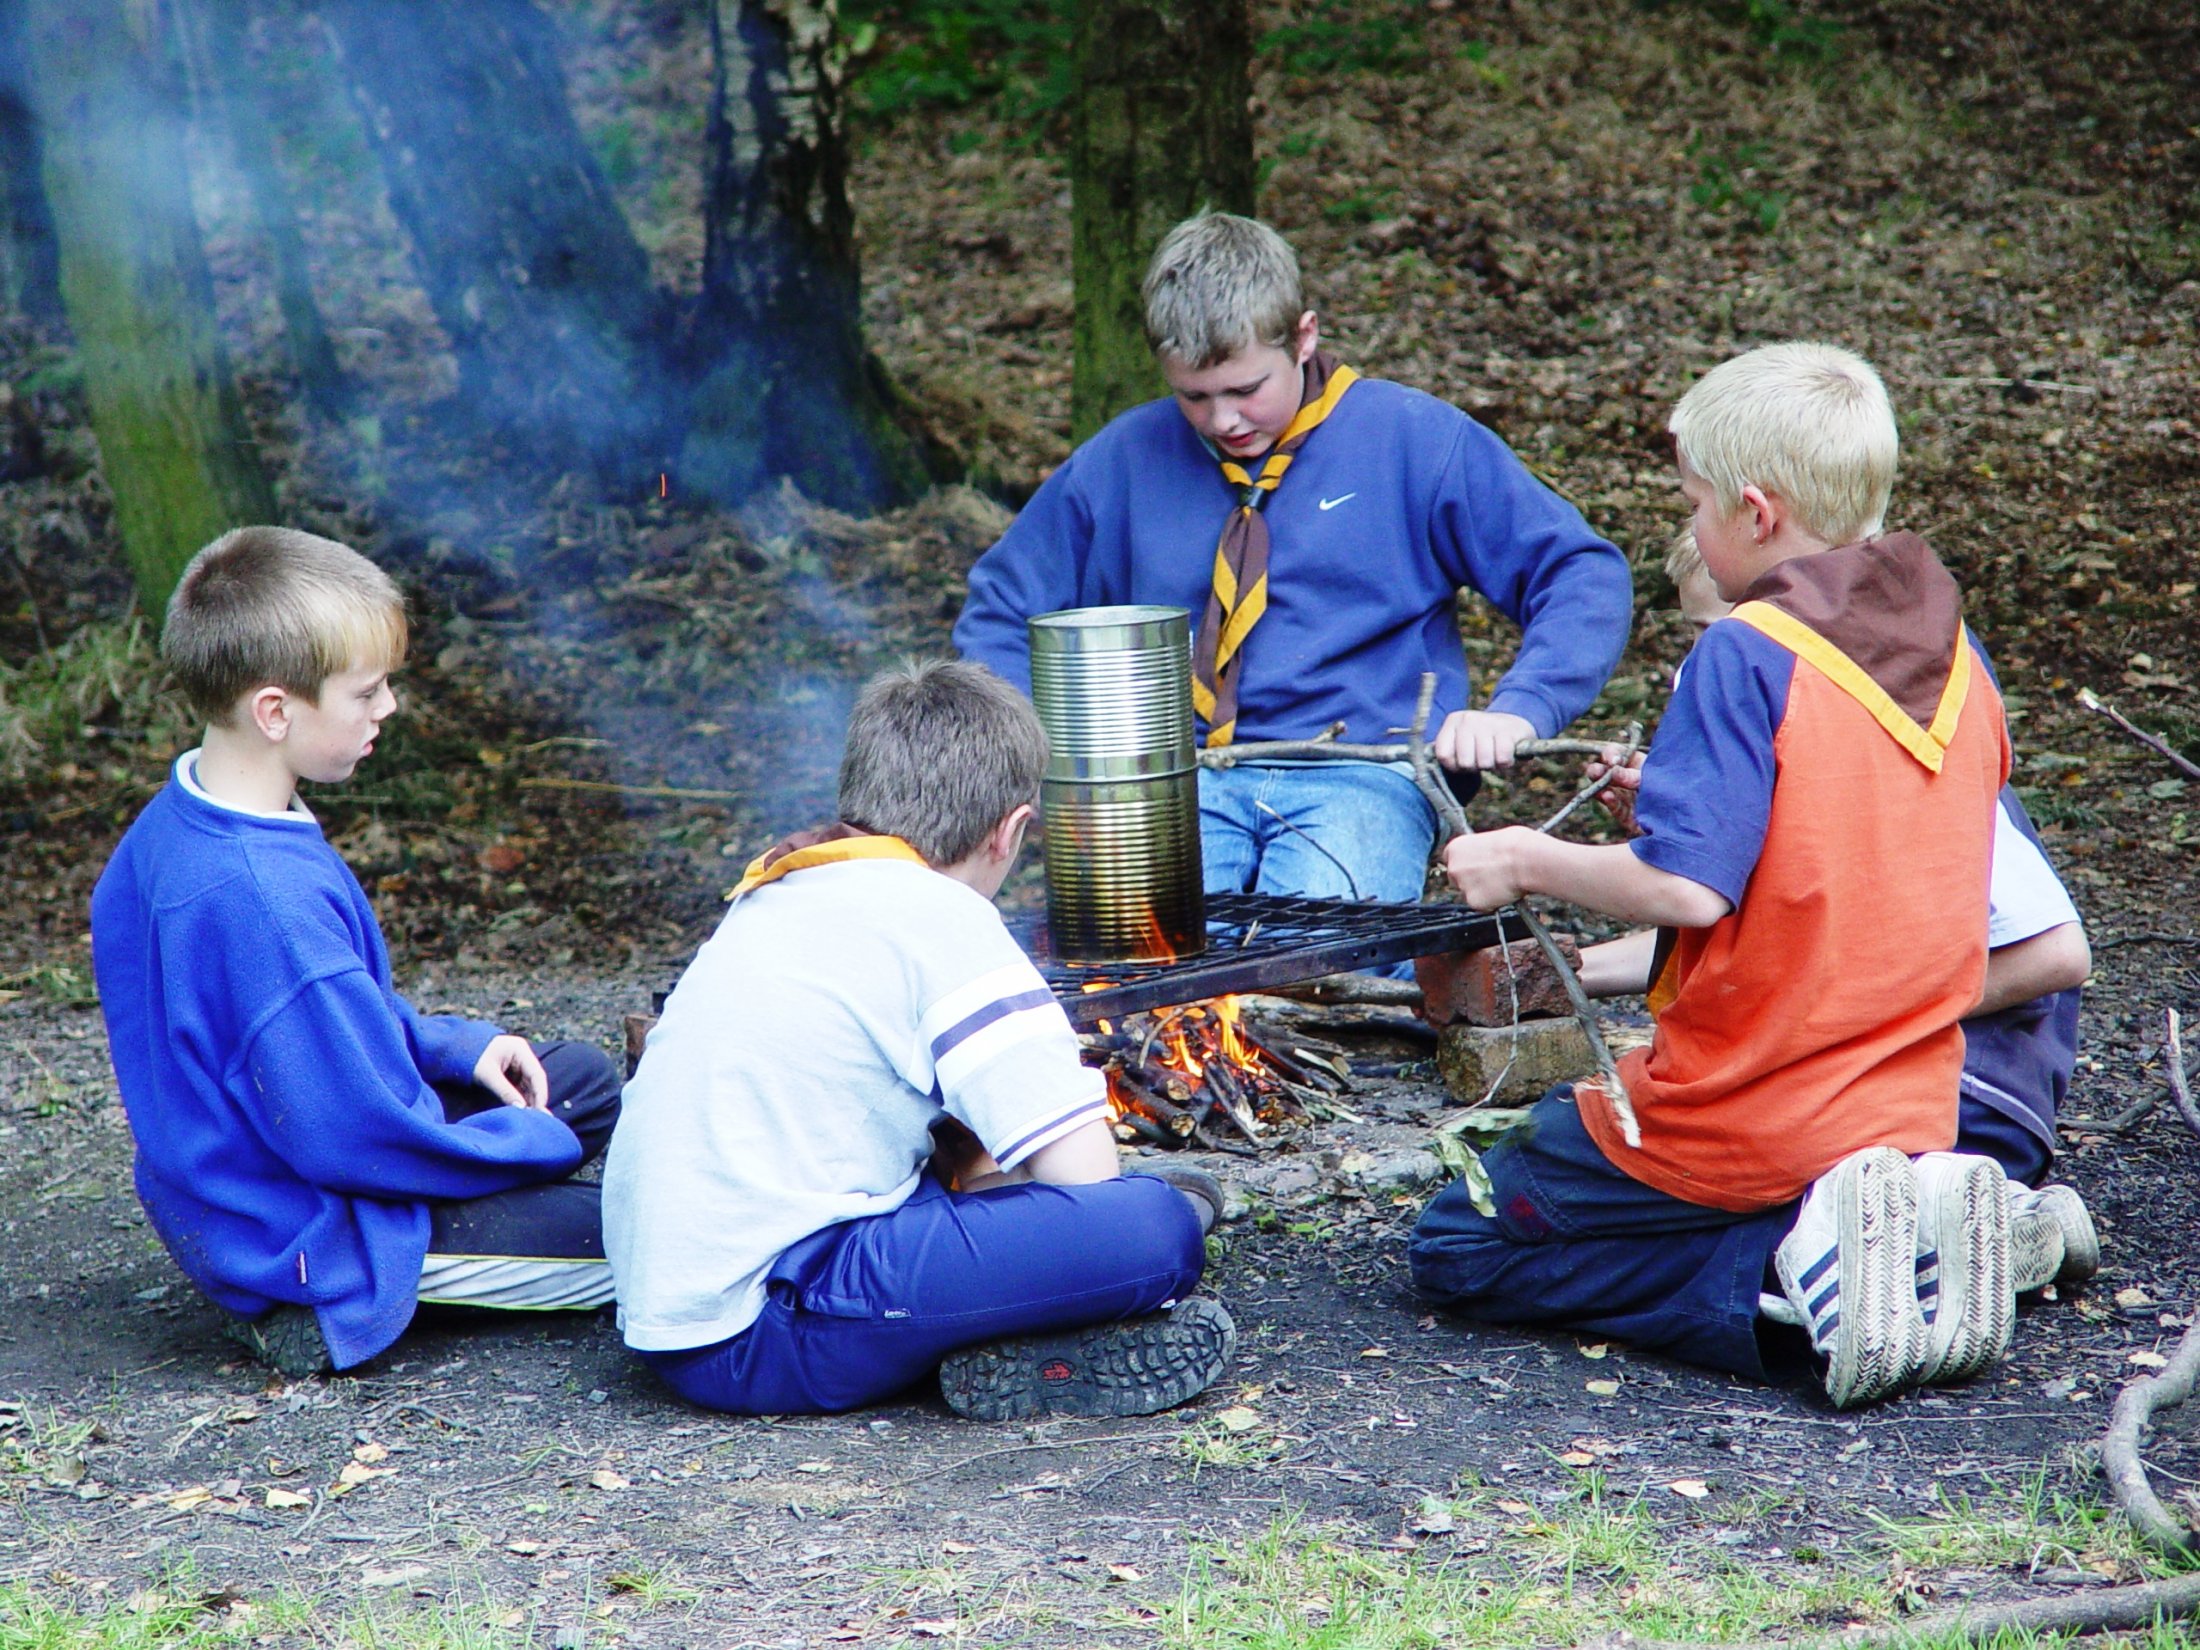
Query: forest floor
x=1554, y=216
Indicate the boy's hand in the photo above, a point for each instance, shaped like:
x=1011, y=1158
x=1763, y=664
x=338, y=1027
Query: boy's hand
x=1484, y=866
x=509, y=1070
x=1618, y=797
x=1480, y=738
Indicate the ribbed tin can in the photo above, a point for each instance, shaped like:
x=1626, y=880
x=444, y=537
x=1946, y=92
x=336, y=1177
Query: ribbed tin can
x=1113, y=686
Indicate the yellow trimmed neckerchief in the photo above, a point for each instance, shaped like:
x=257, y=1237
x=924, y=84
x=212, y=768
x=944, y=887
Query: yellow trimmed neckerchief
x=1927, y=744
x=834, y=845
x=1240, y=593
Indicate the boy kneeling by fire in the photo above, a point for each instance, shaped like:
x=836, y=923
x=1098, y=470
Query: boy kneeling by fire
x=860, y=1145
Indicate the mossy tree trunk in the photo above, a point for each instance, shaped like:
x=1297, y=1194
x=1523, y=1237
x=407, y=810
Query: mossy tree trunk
x=1161, y=127
x=531, y=268
x=782, y=384
x=30, y=260
x=229, y=96
x=173, y=443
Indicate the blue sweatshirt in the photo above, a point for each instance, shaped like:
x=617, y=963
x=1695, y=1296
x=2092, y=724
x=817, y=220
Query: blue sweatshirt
x=288, y=1142
x=1395, y=503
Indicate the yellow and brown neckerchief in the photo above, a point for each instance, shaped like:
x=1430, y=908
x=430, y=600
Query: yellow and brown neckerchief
x=1240, y=593
x=827, y=845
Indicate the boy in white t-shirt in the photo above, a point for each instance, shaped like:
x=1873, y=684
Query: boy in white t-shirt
x=777, y=1205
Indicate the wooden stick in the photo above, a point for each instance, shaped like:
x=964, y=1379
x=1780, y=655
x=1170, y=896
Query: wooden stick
x=673, y=793
x=2177, y=1086
x=2153, y=742
x=1324, y=750
x=2119, y=1450
x=1590, y=787
x=1447, y=807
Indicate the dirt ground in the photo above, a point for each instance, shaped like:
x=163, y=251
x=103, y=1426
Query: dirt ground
x=1554, y=216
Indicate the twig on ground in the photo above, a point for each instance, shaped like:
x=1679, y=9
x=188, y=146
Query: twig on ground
x=2179, y=1090
x=2153, y=741
x=2108, y=942
x=673, y=793
x=2119, y=1449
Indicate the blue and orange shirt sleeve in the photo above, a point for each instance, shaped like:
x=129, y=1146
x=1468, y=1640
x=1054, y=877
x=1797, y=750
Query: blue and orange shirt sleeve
x=1706, y=797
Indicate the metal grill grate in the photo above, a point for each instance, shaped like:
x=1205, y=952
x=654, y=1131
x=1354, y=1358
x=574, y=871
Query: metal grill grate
x=1260, y=940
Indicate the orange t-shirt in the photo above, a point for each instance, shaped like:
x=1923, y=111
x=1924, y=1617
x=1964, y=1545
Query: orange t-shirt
x=1819, y=1016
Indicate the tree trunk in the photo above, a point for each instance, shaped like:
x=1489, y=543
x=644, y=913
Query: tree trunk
x=530, y=266
x=30, y=261
x=213, y=38
x=785, y=386
x=173, y=443
x=1162, y=127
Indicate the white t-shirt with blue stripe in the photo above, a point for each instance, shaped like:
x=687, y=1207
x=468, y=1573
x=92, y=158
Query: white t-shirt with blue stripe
x=794, y=1076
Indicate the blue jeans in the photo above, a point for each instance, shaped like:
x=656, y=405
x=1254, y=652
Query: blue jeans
x=1373, y=828
x=1578, y=1242
x=861, y=1310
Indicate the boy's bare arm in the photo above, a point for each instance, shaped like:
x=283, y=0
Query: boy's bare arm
x=1084, y=1155
x=2054, y=960
x=1495, y=868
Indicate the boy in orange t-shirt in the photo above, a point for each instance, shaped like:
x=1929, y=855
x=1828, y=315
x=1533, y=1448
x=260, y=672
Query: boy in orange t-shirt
x=1817, y=819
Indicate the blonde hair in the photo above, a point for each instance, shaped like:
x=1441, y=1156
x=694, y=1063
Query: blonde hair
x=1219, y=284
x=272, y=605
x=1683, y=561
x=1809, y=423
x=939, y=751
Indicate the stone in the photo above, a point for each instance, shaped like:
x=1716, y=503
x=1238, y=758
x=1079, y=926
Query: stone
x=1473, y=987
x=1542, y=1052
x=1381, y=1173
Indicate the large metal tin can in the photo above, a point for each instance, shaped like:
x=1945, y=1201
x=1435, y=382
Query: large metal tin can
x=1113, y=686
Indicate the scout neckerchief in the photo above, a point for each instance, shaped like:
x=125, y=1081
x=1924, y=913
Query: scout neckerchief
x=1240, y=593
x=830, y=845
x=1927, y=743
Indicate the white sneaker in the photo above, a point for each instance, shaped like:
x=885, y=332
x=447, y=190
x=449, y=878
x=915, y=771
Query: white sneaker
x=1850, y=1268
x=1965, y=1289
x=2051, y=1237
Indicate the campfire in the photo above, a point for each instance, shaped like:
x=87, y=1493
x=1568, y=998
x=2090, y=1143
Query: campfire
x=1198, y=1075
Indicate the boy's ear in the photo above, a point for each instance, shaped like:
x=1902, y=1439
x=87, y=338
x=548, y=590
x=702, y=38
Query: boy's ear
x=1765, y=512
x=1306, y=338
x=1008, y=835
x=268, y=709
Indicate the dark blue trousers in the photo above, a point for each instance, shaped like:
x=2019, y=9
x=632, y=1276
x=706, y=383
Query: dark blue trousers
x=1576, y=1242
x=861, y=1310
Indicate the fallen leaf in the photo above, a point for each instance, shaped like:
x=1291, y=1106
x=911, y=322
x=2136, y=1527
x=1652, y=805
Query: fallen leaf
x=1238, y=1418
x=65, y=1470
x=1375, y=1352
x=1124, y=1572
x=2133, y=1296
x=525, y=1549
x=2148, y=1360
x=396, y=1576
x=369, y=1454
x=957, y=1547
x=238, y=1416
x=932, y=1629
x=1693, y=1488
x=813, y=1466
x=1434, y=1518
x=1516, y=1508
x=287, y=1498
x=356, y=1473
x=1597, y=1351
x=1578, y=1458
x=605, y=1479
x=1603, y=1389
x=196, y=1496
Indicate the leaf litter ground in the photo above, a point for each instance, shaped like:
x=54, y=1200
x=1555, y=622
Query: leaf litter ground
x=1553, y=218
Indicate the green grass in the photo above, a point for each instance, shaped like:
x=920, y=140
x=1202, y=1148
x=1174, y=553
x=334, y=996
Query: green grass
x=106, y=676
x=1506, y=1573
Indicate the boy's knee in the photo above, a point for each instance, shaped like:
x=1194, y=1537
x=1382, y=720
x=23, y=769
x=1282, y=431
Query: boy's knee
x=1152, y=1228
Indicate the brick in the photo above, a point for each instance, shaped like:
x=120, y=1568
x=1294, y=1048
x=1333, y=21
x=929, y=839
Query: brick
x=1471, y=986
x=1542, y=1052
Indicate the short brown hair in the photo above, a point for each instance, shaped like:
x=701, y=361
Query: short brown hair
x=1683, y=561
x=272, y=605
x=939, y=751
x=1218, y=284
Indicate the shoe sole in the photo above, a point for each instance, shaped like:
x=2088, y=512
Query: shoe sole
x=1978, y=1297
x=1136, y=1368
x=2036, y=1255
x=2081, y=1241
x=287, y=1340
x=1878, y=1343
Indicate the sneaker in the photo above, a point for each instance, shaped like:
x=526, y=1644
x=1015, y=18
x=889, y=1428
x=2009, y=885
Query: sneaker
x=1136, y=1367
x=2051, y=1237
x=288, y=1339
x=1202, y=1189
x=1849, y=1268
x=1964, y=1285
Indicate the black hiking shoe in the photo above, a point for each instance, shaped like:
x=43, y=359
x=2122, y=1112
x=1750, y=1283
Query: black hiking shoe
x=1201, y=1189
x=1136, y=1367
x=288, y=1339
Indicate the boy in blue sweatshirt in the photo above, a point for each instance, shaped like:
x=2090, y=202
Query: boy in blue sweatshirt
x=1380, y=504
x=318, y=1157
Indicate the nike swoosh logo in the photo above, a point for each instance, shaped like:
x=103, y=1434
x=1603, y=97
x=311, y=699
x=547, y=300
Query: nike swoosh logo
x=1332, y=503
